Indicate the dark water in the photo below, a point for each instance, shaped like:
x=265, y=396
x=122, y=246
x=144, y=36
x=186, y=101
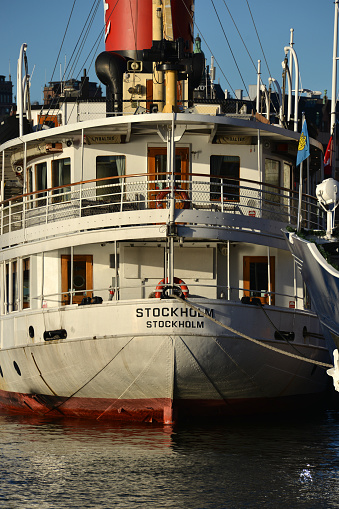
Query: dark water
x=248, y=464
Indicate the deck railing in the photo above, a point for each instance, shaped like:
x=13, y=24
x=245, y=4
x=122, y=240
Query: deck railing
x=152, y=191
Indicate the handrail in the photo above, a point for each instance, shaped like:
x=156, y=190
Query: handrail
x=143, y=192
x=133, y=175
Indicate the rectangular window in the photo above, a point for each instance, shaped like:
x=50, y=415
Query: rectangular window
x=106, y=167
x=61, y=176
x=41, y=182
x=26, y=292
x=82, y=274
x=272, y=177
x=256, y=281
x=225, y=174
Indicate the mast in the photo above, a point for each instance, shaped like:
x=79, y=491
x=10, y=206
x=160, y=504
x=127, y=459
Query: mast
x=334, y=68
x=20, y=91
x=334, y=87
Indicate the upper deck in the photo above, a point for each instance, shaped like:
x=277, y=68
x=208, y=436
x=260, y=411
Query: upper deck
x=233, y=178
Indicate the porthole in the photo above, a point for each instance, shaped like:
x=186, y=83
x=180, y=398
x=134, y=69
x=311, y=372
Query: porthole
x=1, y=373
x=16, y=367
x=31, y=331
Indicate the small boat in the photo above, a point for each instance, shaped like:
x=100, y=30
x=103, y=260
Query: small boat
x=143, y=273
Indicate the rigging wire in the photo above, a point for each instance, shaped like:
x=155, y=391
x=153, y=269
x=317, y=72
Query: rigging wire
x=52, y=106
x=250, y=57
x=229, y=46
x=208, y=47
x=242, y=40
x=256, y=31
x=262, y=49
x=71, y=65
x=94, y=49
x=69, y=20
x=82, y=42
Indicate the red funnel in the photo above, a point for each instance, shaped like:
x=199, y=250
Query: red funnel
x=129, y=24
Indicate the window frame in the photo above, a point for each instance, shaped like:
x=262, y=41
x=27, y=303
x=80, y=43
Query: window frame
x=247, y=260
x=224, y=181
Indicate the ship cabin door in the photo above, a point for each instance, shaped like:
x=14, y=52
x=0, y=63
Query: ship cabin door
x=157, y=169
x=256, y=281
x=82, y=276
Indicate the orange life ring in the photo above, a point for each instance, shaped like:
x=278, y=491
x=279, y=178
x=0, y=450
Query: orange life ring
x=176, y=281
x=180, y=194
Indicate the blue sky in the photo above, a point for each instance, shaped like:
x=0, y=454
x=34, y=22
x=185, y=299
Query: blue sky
x=41, y=24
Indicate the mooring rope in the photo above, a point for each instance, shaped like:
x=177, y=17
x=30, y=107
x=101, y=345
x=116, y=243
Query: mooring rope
x=256, y=341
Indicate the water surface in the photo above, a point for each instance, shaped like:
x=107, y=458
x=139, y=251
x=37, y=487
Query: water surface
x=274, y=463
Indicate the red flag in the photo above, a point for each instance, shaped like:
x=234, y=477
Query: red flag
x=328, y=159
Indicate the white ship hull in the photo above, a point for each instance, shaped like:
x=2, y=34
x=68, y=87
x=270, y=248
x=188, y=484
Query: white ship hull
x=157, y=361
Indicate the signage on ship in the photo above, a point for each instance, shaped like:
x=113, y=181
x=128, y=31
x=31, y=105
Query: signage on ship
x=102, y=139
x=173, y=317
x=234, y=140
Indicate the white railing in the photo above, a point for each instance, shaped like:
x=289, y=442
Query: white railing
x=140, y=192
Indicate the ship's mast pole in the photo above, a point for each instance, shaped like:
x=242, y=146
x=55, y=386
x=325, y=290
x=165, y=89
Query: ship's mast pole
x=20, y=94
x=334, y=67
x=334, y=86
x=258, y=87
x=157, y=35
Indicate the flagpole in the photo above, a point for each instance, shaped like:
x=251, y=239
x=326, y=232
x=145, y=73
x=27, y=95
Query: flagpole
x=300, y=196
x=303, y=153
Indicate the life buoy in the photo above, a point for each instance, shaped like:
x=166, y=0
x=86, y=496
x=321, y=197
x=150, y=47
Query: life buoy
x=160, y=287
x=182, y=200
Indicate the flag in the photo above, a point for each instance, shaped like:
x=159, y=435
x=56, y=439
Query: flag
x=328, y=159
x=304, y=145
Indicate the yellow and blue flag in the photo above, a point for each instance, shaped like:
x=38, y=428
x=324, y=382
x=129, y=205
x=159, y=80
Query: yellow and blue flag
x=304, y=145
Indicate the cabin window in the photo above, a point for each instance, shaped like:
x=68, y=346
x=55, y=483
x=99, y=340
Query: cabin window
x=225, y=174
x=107, y=167
x=287, y=179
x=82, y=274
x=26, y=293
x=61, y=176
x=41, y=182
x=272, y=177
x=256, y=281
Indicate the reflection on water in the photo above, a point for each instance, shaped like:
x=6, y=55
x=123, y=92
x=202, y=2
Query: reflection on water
x=76, y=464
